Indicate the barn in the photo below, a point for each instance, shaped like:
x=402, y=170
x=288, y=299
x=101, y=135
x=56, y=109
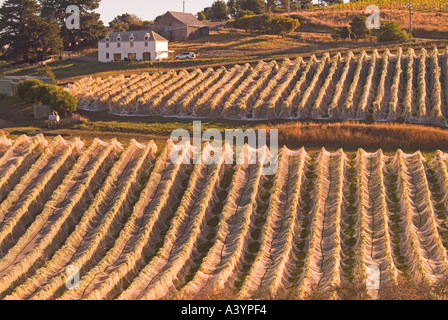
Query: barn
x=177, y=26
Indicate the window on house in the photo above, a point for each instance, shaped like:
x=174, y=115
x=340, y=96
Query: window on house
x=118, y=45
x=146, y=56
x=146, y=43
x=132, y=44
x=132, y=56
x=107, y=45
x=107, y=55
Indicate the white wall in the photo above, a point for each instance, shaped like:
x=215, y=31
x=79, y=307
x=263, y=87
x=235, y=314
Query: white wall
x=162, y=50
x=125, y=49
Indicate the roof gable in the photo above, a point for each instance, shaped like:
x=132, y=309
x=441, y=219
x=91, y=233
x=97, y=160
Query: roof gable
x=182, y=17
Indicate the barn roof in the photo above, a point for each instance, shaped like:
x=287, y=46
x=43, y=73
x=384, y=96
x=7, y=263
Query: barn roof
x=138, y=36
x=186, y=18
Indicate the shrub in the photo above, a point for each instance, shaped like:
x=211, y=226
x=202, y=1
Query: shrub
x=336, y=33
x=243, y=13
x=391, y=31
x=283, y=25
x=220, y=10
x=359, y=29
x=35, y=91
x=261, y=22
x=345, y=32
x=62, y=101
x=243, y=22
x=26, y=90
x=47, y=72
x=201, y=16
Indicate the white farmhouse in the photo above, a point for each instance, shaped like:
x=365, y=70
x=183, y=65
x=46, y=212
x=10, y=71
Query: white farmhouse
x=132, y=46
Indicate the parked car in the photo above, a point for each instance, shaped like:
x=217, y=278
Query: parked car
x=185, y=56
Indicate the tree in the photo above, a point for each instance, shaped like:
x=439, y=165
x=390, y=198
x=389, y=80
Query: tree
x=24, y=34
x=256, y=6
x=25, y=90
x=331, y=2
x=201, y=16
x=35, y=91
x=220, y=11
x=62, y=101
x=391, y=31
x=283, y=25
x=305, y=3
x=336, y=33
x=91, y=30
x=126, y=22
x=261, y=22
x=359, y=29
x=208, y=12
x=345, y=32
x=243, y=13
x=47, y=72
x=234, y=7
x=243, y=22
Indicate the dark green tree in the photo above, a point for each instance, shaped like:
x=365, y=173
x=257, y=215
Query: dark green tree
x=201, y=16
x=34, y=91
x=261, y=22
x=336, y=33
x=359, y=29
x=24, y=34
x=391, y=31
x=91, y=29
x=25, y=90
x=331, y=2
x=234, y=7
x=208, y=12
x=126, y=22
x=47, y=72
x=220, y=10
x=243, y=13
x=345, y=32
x=256, y=6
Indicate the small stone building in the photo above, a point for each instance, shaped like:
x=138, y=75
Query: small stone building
x=177, y=26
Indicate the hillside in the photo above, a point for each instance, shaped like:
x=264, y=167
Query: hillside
x=429, y=25
x=140, y=227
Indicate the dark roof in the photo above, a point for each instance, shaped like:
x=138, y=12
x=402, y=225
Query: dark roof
x=138, y=36
x=186, y=18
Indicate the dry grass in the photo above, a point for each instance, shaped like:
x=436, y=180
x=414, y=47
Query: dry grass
x=425, y=24
x=353, y=135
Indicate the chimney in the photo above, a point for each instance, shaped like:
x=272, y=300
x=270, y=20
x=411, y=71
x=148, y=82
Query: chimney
x=184, y=6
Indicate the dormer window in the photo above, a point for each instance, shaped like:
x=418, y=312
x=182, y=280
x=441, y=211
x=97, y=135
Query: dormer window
x=118, y=41
x=131, y=39
x=146, y=38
